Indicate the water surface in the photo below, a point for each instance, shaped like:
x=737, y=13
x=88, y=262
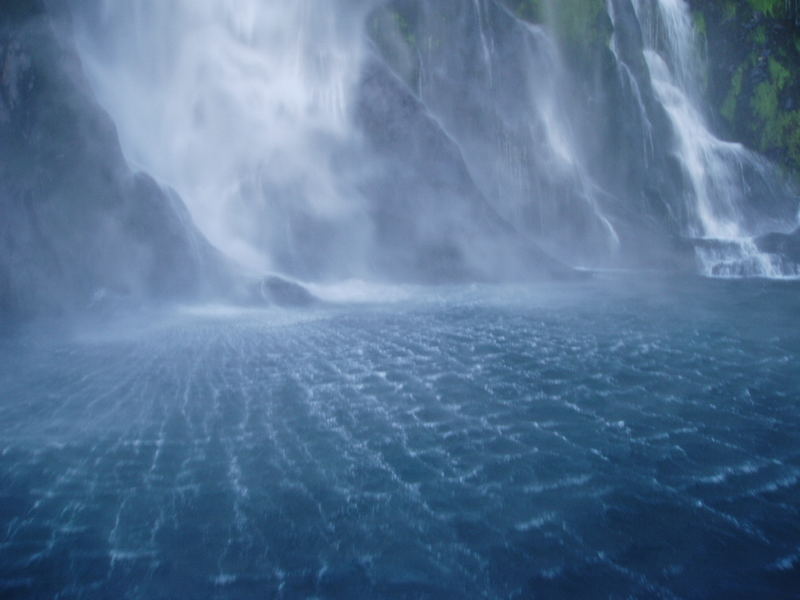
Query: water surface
x=622, y=437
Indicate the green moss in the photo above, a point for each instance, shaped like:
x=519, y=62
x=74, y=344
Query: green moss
x=771, y=8
x=700, y=23
x=530, y=10
x=580, y=21
x=765, y=101
x=782, y=133
x=579, y=24
x=732, y=99
x=779, y=74
x=754, y=57
x=404, y=28
x=791, y=131
x=779, y=129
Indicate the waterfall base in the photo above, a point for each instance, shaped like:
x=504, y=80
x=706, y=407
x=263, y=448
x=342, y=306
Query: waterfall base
x=746, y=257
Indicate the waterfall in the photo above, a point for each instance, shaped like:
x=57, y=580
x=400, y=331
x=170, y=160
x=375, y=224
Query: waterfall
x=514, y=121
x=241, y=106
x=718, y=191
x=251, y=110
x=629, y=81
x=246, y=109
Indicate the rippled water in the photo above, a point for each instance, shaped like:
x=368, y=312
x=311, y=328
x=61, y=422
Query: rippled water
x=615, y=438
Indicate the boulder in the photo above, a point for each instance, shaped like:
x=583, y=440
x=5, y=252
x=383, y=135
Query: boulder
x=786, y=245
x=276, y=290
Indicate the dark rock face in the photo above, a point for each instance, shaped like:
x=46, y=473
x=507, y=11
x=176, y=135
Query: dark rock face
x=282, y=292
x=786, y=245
x=432, y=222
x=77, y=223
x=560, y=141
x=421, y=189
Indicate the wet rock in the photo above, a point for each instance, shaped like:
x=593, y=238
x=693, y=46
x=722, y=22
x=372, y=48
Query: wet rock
x=786, y=245
x=432, y=223
x=282, y=292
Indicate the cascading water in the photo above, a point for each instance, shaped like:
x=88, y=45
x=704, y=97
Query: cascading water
x=250, y=111
x=628, y=79
x=718, y=191
x=196, y=433
x=240, y=106
x=502, y=96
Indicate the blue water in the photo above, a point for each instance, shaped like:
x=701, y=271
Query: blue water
x=617, y=438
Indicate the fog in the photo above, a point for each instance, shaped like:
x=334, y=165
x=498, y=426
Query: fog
x=420, y=141
x=242, y=107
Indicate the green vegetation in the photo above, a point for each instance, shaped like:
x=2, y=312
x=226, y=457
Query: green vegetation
x=779, y=129
x=579, y=24
x=765, y=102
x=530, y=10
x=580, y=21
x=781, y=132
x=700, y=23
x=771, y=8
x=404, y=28
x=779, y=74
x=728, y=109
x=753, y=49
x=753, y=57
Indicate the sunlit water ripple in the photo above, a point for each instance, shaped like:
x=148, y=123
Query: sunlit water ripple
x=605, y=439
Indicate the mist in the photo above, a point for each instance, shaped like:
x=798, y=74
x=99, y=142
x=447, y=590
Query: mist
x=406, y=142
x=341, y=140
x=247, y=112
x=399, y=299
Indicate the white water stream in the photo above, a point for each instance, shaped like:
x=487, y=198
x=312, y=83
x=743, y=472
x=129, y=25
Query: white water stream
x=713, y=167
x=245, y=107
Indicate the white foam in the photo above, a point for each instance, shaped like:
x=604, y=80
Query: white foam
x=787, y=563
x=536, y=522
x=129, y=555
x=224, y=579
